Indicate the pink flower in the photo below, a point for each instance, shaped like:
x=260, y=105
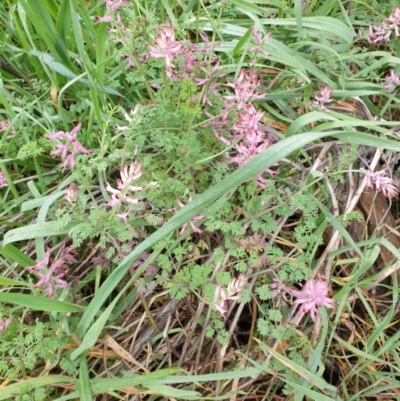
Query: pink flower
x=249, y=134
x=279, y=292
x=124, y=185
x=165, y=46
x=383, y=32
x=192, y=221
x=324, y=98
x=248, y=120
x=231, y=293
x=219, y=301
x=219, y=124
x=312, y=296
x=113, y=6
x=392, y=80
x=254, y=138
x=245, y=89
x=107, y=18
x=235, y=287
x=3, y=181
x=4, y=325
x=129, y=64
x=51, y=278
x=382, y=183
x=71, y=145
x=209, y=74
x=123, y=216
x=259, y=42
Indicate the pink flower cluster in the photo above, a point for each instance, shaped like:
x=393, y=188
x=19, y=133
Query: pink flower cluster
x=383, y=32
x=382, y=183
x=232, y=292
x=312, y=296
x=324, y=98
x=168, y=48
x=392, y=80
x=52, y=278
x=248, y=134
x=124, y=185
x=71, y=146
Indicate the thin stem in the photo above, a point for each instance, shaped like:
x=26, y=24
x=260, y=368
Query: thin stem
x=139, y=66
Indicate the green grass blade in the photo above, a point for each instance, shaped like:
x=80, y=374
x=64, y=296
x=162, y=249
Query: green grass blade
x=314, y=395
x=37, y=302
x=171, y=392
x=100, y=386
x=85, y=387
x=63, y=22
x=299, y=17
x=330, y=28
x=8, y=282
x=14, y=255
x=49, y=228
x=311, y=378
x=95, y=330
x=10, y=391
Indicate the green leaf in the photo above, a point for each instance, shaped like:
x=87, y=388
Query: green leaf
x=85, y=388
x=38, y=230
x=9, y=282
x=248, y=7
x=8, y=392
x=242, y=42
x=95, y=330
x=42, y=202
x=38, y=302
x=101, y=386
x=171, y=392
x=299, y=17
x=13, y=254
x=331, y=219
x=314, y=395
x=319, y=26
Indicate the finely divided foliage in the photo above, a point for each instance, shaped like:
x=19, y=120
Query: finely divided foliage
x=203, y=187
